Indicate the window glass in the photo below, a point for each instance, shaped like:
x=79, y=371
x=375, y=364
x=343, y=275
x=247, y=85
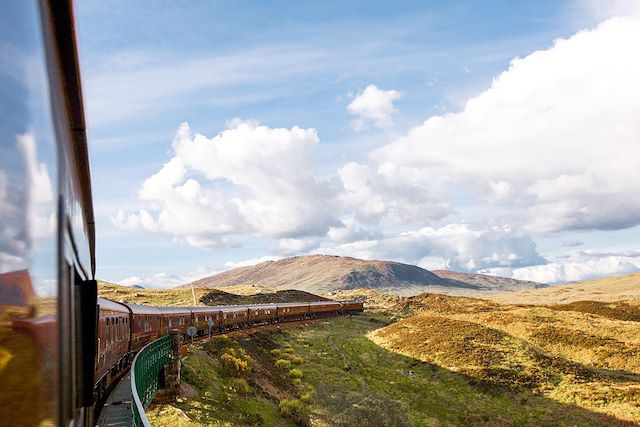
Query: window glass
x=28, y=218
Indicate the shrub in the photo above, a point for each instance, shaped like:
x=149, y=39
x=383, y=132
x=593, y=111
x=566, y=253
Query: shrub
x=298, y=360
x=236, y=362
x=307, y=396
x=288, y=350
x=295, y=411
x=218, y=343
x=295, y=373
x=240, y=386
x=283, y=364
x=297, y=382
x=275, y=352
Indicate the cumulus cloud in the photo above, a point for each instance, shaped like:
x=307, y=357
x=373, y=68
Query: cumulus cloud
x=26, y=197
x=574, y=267
x=373, y=106
x=397, y=193
x=458, y=246
x=251, y=261
x=557, y=135
x=166, y=280
x=248, y=179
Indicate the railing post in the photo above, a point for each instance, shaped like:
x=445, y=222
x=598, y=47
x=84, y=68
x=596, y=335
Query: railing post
x=171, y=371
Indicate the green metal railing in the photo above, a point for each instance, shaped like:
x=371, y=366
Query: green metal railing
x=145, y=376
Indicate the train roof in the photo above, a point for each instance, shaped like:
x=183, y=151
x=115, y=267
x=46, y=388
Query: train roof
x=292, y=304
x=207, y=309
x=142, y=309
x=255, y=306
x=324, y=302
x=175, y=310
x=107, y=304
x=233, y=307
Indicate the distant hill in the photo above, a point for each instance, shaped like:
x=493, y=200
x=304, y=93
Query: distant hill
x=606, y=289
x=489, y=283
x=218, y=297
x=324, y=273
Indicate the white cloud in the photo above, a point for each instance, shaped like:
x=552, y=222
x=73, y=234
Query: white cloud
x=605, y=9
x=578, y=266
x=557, y=135
x=166, y=280
x=397, y=193
x=251, y=261
x=373, y=106
x=248, y=179
x=457, y=246
x=295, y=246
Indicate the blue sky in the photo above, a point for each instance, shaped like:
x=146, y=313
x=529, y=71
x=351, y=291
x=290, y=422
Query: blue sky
x=358, y=80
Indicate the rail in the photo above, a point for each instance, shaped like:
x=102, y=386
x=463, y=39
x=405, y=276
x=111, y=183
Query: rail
x=145, y=376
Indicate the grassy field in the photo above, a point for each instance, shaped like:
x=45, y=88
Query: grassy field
x=347, y=379
x=606, y=289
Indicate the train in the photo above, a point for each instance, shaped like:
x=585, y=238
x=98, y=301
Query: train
x=61, y=345
x=124, y=328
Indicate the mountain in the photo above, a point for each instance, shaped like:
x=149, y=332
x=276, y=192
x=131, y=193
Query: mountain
x=605, y=289
x=489, y=283
x=324, y=273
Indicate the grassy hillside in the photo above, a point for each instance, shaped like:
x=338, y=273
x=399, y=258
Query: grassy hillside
x=614, y=288
x=329, y=373
x=582, y=354
x=182, y=297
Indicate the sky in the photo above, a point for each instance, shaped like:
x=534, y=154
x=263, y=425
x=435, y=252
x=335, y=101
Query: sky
x=500, y=137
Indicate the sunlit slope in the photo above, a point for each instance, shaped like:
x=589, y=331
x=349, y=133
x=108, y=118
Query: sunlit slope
x=174, y=297
x=584, y=354
x=613, y=288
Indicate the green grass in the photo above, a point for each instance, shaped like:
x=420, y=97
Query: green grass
x=357, y=382
x=350, y=381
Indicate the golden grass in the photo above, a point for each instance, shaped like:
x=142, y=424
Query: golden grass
x=579, y=353
x=606, y=289
x=180, y=297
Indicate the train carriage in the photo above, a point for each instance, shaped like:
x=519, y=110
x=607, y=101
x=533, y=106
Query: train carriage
x=324, y=308
x=293, y=311
x=234, y=316
x=262, y=313
x=352, y=306
x=114, y=332
x=200, y=317
x=174, y=319
x=145, y=326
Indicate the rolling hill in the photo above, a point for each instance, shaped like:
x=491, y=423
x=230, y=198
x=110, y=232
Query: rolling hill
x=323, y=273
x=612, y=288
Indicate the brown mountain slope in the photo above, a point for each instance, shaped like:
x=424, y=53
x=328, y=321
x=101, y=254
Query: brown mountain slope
x=323, y=273
x=606, y=289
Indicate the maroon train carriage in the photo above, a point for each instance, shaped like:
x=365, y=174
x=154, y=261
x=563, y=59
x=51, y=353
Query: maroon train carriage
x=202, y=315
x=293, y=311
x=145, y=326
x=234, y=316
x=174, y=319
x=324, y=308
x=114, y=332
x=262, y=313
x=352, y=306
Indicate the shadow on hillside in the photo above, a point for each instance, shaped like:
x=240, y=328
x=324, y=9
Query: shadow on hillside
x=376, y=387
